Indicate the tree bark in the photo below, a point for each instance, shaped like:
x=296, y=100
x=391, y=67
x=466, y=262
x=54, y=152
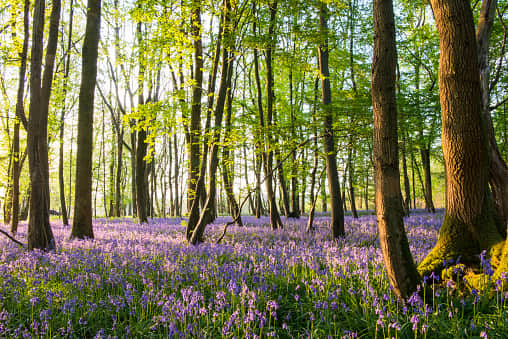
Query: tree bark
x=20, y=114
x=195, y=235
x=337, y=220
x=267, y=155
x=351, y=177
x=39, y=229
x=228, y=163
x=468, y=227
x=195, y=118
x=498, y=171
x=82, y=221
x=398, y=260
x=429, y=203
x=65, y=219
x=194, y=212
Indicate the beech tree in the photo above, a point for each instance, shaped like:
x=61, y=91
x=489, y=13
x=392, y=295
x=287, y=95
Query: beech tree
x=39, y=229
x=337, y=222
x=82, y=222
x=389, y=210
x=469, y=226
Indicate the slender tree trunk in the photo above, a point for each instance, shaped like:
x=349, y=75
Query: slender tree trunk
x=20, y=114
x=398, y=260
x=351, y=176
x=118, y=177
x=282, y=182
x=313, y=197
x=82, y=222
x=267, y=155
x=194, y=213
x=178, y=204
x=65, y=219
x=39, y=229
x=195, y=118
x=228, y=163
x=195, y=235
x=295, y=208
x=407, y=189
x=337, y=221
x=498, y=172
x=429, y=203
x=468, y=227
x=275, y=221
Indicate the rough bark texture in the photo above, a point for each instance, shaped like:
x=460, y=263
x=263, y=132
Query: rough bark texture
x=337, y=220
x=394, y=244
x=82, y=222
x=39, y=229
x=468, y=227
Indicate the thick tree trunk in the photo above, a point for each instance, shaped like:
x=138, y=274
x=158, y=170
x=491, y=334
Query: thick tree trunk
x=20, y=115
x=468, y=227
x=337, y=221
x=82, y=221
x=39, y=229
x=398, y=260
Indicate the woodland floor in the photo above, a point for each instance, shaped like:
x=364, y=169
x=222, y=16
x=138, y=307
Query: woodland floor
x=146, y=281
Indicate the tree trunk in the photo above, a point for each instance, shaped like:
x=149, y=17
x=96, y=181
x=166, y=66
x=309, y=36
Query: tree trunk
x=429, y=203
x=63, y=209
x=195, y=118
x=228, y=163
x=337, y=221
x=20, y=114
x=82, y=222
x=118, y=176
x=398, y=260
x=267, y=155
x=468, y=227
x=282, y=182
x=178, y=204
x=195, y=235
x=498, y=171
x=351, y=176
x=39, y=229
x=194, y=212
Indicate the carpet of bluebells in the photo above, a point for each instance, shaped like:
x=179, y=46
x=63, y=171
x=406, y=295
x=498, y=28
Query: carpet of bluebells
x=146, y=281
